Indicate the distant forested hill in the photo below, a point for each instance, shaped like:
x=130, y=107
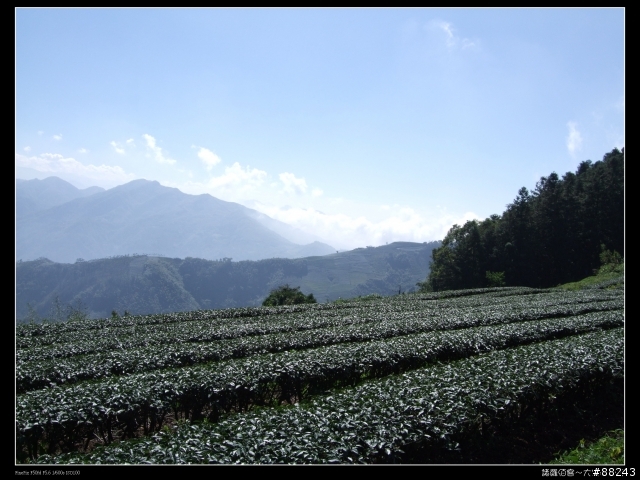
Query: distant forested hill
x=146, y=284
x=550, y=236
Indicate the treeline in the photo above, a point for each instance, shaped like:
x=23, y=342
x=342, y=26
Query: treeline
x=552, y=235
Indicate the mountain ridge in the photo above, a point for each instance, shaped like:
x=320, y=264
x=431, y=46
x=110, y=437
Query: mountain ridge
x=144, y=216
x=35, y=195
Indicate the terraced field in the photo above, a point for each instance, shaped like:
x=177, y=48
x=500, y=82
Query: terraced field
x=397, y=379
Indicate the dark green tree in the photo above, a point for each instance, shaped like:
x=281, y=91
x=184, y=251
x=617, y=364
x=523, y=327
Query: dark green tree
x=459, y=262
x=495, y=279
x=546, y=237
x=286, y=295
x=516, y=227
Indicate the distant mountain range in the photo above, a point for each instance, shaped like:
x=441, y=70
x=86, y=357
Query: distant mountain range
x=57, y=221
x=35, y=195
x=146, y=284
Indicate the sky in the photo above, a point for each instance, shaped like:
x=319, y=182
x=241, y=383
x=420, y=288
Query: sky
x=358, y=126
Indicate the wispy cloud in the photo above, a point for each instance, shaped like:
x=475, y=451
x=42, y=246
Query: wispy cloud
x=40, y=132
x=157, y=151
x=116, y=146
x=83, y=150
x=131, y=142
x=574, y=139
x=27, y=149
x=451, y=38
x=56, y=163
x=292, y=184
x=57, y=137
x=209, y=158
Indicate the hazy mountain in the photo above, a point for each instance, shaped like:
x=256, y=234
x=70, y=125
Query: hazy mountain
x=34, y=195
x=144, y=284
x=147, y=218
x=289, y=232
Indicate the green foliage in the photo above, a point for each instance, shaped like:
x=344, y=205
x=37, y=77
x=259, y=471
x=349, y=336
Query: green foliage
x=286, y=295
x=610, y=261
x=424, y=287
x=614, y=279
x=609, y=275
x=151, y=285
x=550, y=236
x=42, y=358
x=213, y=363
x=495, y=279
x=607, y=257
x=608, y=449
x=372, y=422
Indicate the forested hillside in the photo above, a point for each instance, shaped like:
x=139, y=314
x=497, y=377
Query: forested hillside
x=144, y=284
x=554, y=234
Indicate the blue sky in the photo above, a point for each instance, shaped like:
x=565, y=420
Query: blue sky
x=361, y=126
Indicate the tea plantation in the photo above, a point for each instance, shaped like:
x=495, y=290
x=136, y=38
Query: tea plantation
x=420, y=378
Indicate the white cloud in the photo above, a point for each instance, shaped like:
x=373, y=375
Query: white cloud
x=448, y=33
x=339, y=222
x=83, y=150
x=236, y=184
x=56, y=163
x=27, y=149
x=346, y=231
x=209, y=158
x=40, y=132
x=160, y=158
x=292, y=184
x=342, y=223
x=236, y=176
x=246, y=184
x=57, y=137
x=574, y=139
x=117, y=147
x=131, y=142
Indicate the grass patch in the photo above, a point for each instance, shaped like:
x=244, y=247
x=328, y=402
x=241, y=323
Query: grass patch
x=608, y=276
x=608, y=449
